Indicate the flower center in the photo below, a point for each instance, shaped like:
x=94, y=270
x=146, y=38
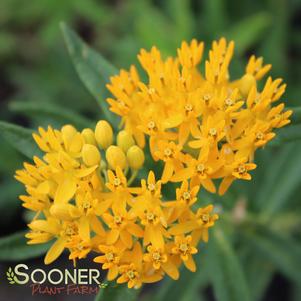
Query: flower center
x=183, y=247
x=205, y=218
x=206, y=97
x=116, y=182
x=200, y=167
x=259, y=136
x=213, y=132
x=241, y=169
x=86, y=205
x=151, y=187
x=110, y=256
x=150, y=216
x=117, y=219
x=227, y=150
x=228, y=101
x=151, y=125
x=151, y=91
x=156, y=256
x=186, y=195
x=131, y=274
x=167, y=152
x=79, y=247
x=70, y=231
x=182, y=79
x=188, y=107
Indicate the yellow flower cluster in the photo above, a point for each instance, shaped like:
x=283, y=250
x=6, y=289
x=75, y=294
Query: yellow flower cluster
x=204, y=127
x=81, y=194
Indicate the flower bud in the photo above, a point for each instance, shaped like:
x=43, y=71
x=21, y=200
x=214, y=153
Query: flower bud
x=68, y=132
x=104, y=134
x=115, y=157
x=125, y=140
x=89, y=136
x=246, y=83
x=91, y=155
x=135, y=157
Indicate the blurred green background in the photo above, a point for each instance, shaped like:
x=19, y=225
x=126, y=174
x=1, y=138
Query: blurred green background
x=255, y=252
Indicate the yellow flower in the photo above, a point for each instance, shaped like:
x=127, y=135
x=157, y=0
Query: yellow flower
x=83, y=206
x=110, y=260
x=184, y=248
x=122, y=226
x=192, y=118
x=156, y=256
x=168, y=152
x=131, y=272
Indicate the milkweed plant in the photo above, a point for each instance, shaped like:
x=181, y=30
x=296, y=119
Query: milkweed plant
x=91, y=190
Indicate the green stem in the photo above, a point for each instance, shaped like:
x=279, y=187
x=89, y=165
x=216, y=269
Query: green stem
x=133, y=176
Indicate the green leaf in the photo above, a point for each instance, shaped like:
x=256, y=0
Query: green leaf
x=248, y=31
x=225, y=271
x=288, y=134
x=50, y=109
x=93, y=70
x=277, y=37
x=115, y=292
x=14, y=248
x=164, y=34
x=287, y=181
x=253, y=262
x=183, y=18
x=270, y=174
x=20, y=138
x=282, y=251
x=214, y=17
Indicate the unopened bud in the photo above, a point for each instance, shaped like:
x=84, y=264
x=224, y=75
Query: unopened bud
x=68, y=132
x=91, y=155
x=72, y=139
x=135, y=157
x=89, y=136
x=125, y=140
x=115, y=157
x=104, y=134
x=246, y=83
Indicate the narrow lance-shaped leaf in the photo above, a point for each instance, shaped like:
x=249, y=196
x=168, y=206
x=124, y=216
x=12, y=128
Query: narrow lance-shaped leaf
x=93, y=70
x=226, y=273
x=14, y=248
x=248, y=31
x=49, y=109
x=214, y=16
x=253, y=262
x=278, y=249
x=287, y=181
x=20, y=138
